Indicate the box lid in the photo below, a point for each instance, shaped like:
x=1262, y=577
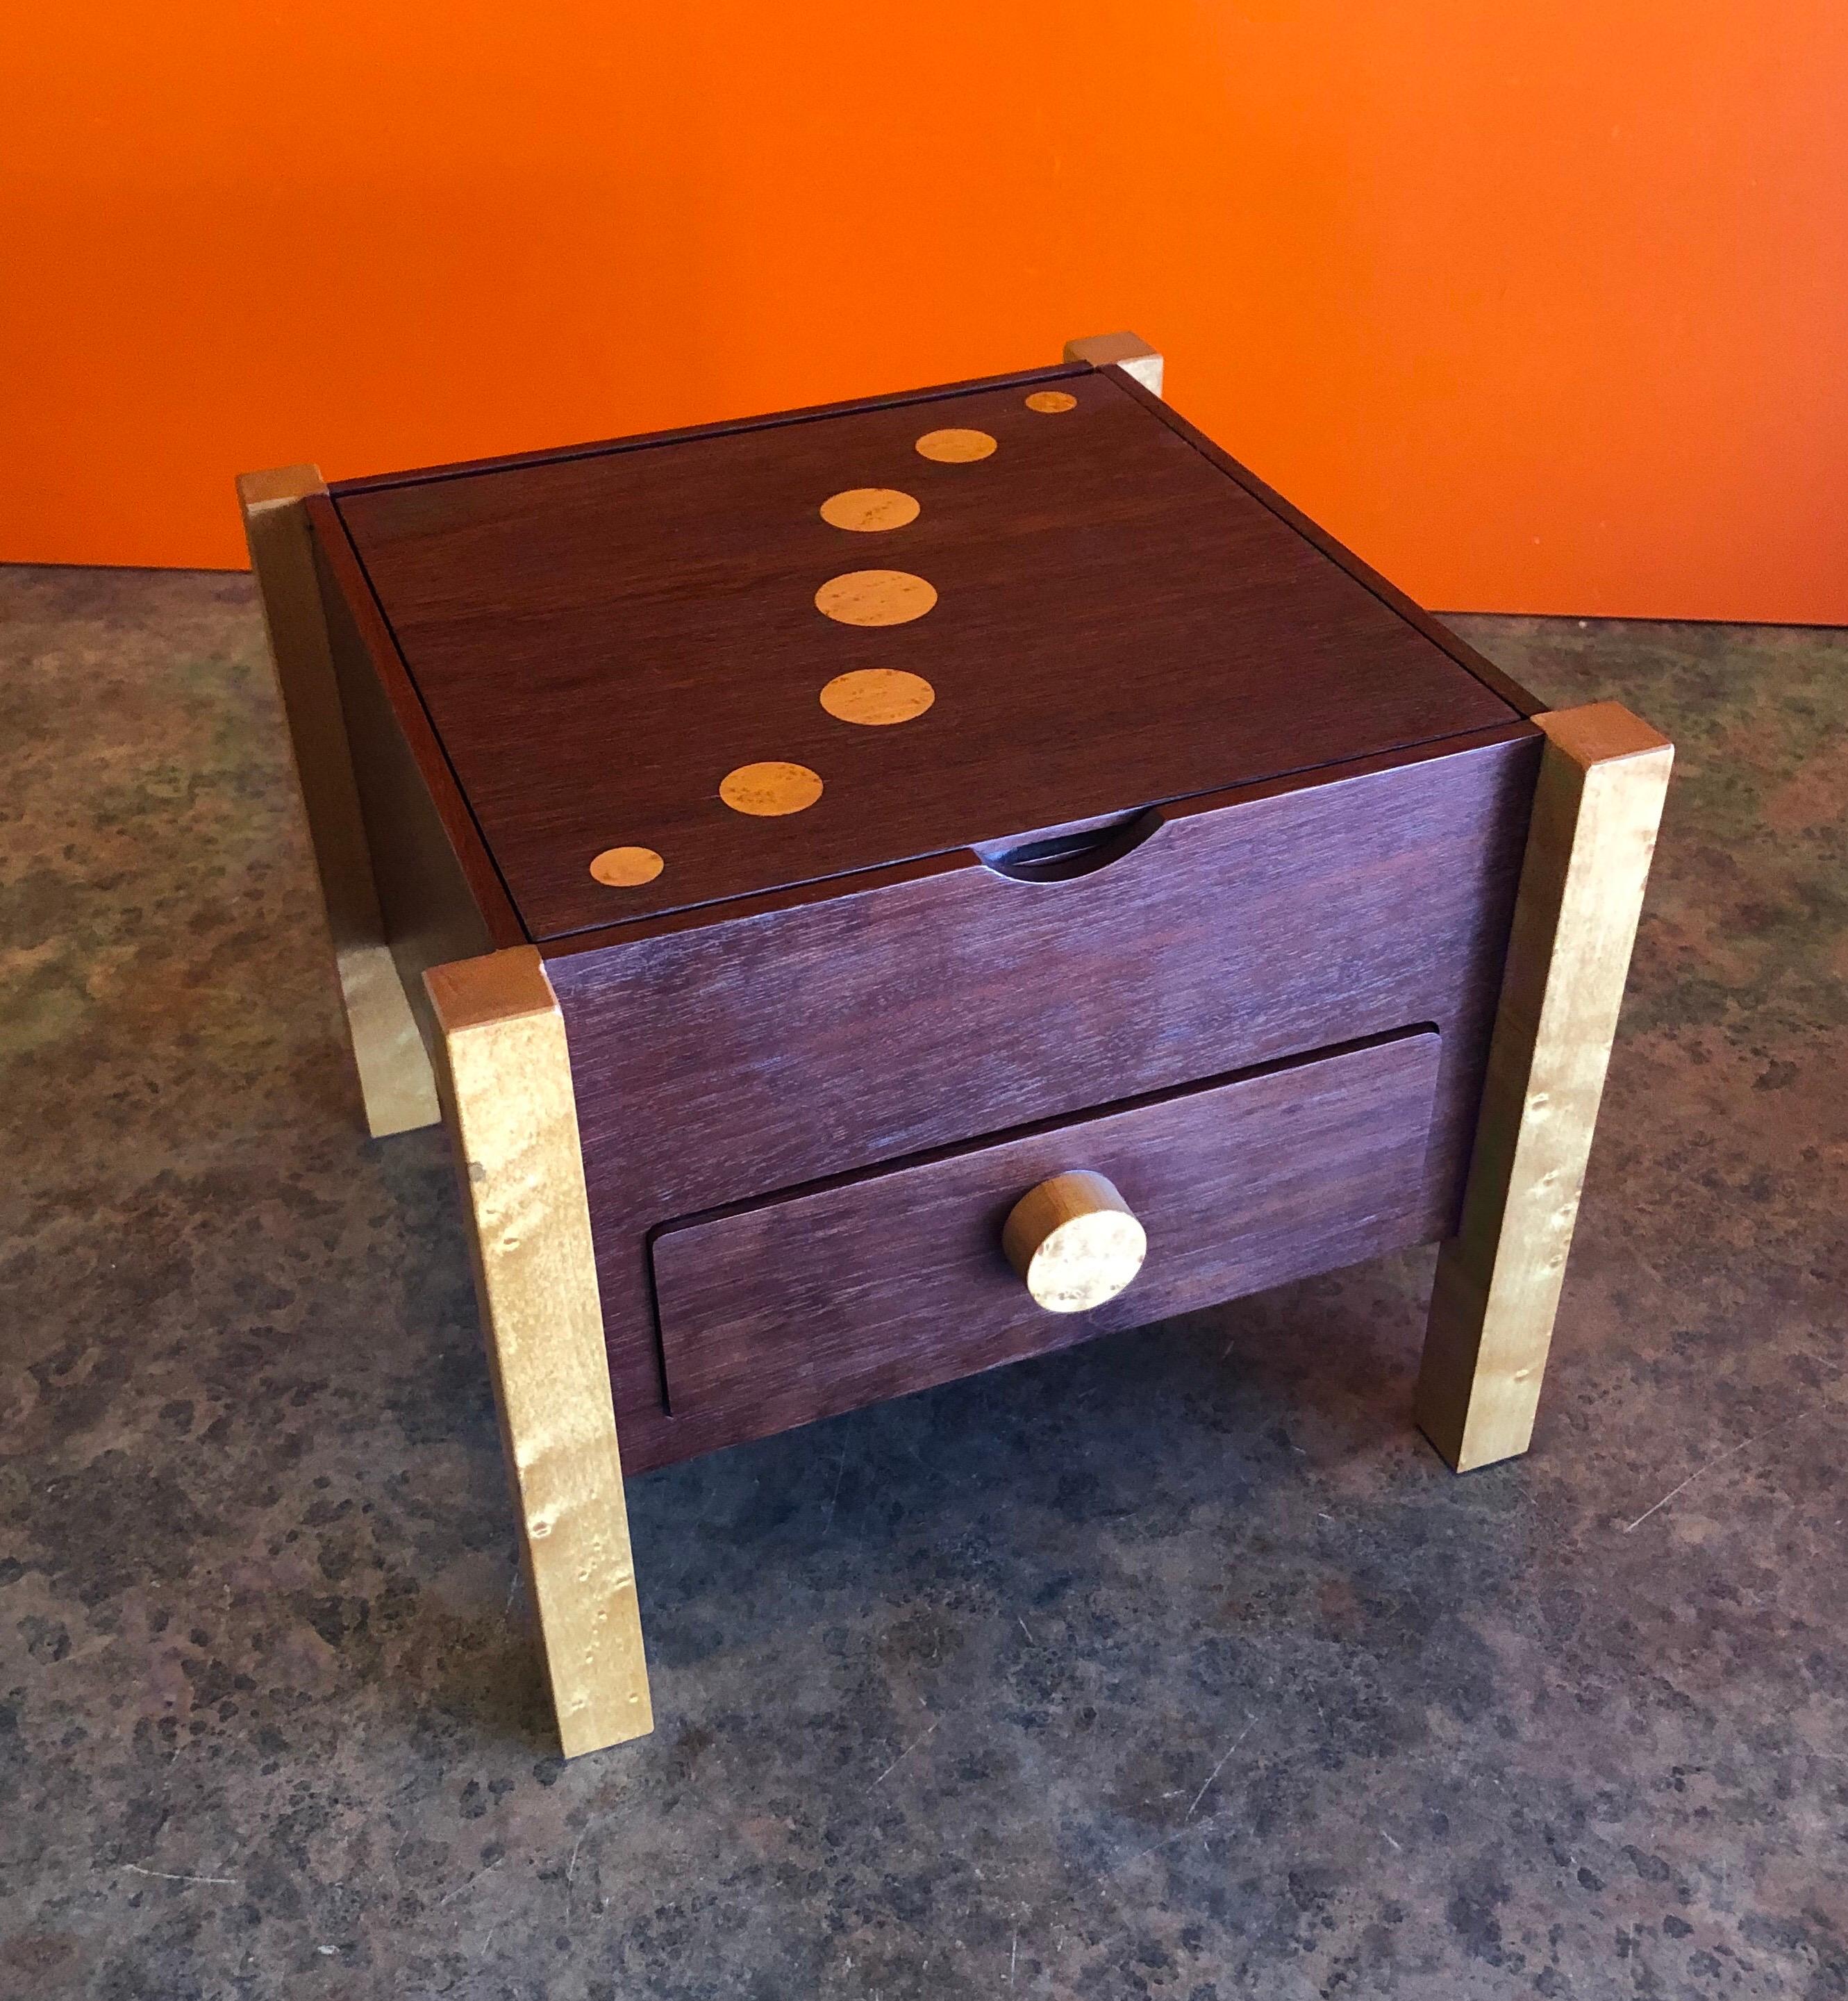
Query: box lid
x=690, y=647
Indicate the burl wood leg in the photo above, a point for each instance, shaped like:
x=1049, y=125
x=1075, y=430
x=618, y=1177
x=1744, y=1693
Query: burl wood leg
x=505, y=1081
x=1603, y=773
x=395, y=1082
x=1129, y=352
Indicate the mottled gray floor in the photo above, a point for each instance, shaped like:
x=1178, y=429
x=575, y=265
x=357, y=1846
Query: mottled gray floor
x=1176, y=1666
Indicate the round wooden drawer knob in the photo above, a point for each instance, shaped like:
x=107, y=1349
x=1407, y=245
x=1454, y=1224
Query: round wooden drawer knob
x=1075, y=1241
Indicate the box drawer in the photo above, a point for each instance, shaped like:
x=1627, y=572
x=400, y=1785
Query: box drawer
x=825, y=1297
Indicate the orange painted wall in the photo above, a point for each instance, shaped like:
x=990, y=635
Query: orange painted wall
x=1542, y=308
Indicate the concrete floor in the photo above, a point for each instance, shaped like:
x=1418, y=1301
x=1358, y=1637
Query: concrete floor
x=1176, y=1665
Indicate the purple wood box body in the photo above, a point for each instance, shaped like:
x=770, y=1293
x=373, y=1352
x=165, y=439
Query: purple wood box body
x=1197, y=872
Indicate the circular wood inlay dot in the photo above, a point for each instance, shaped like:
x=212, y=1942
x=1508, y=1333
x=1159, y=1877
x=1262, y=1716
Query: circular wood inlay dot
x=877, y=695
x=627, y=867
x=769, y=790
x=956, y=447
x=876, y=597
x=869, y=510
x=1049, y=403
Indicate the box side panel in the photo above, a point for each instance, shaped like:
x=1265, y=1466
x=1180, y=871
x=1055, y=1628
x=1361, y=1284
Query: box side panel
x=438, y=896
x=732, y=1061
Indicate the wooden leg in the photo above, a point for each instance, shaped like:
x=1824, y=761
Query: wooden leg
x=1127, y=351
x=1603, y=775
x=395, y=1081
x=505, y=1080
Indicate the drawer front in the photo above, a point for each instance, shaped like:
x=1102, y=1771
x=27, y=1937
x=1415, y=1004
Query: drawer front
x=826, y=1297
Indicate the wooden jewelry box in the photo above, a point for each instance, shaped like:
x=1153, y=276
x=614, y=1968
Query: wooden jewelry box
x=882, y=891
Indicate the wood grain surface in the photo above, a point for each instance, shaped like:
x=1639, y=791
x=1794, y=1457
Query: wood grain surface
x=769, y=420
x=1073, y=1241
x=828, y=1298
x=837, y=1027
x=599, y=637
x=440, y=897
x=506, y=1090
x=1603, y=780
x=1129, y=352
x=1476, y=664
x=396, y=1088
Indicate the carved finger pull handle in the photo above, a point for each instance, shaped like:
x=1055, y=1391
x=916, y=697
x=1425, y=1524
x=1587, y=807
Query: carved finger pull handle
x=1075, y=1241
